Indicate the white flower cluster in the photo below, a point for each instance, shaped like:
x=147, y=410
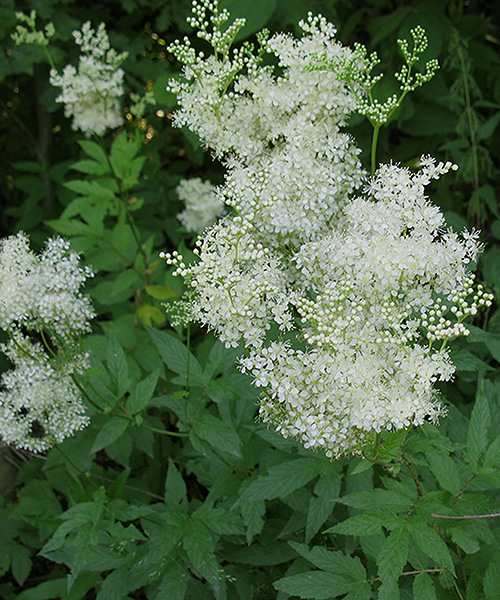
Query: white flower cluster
x=203, y=205
x=92, y=92
x=362, y=268
x=290, y=168
x=40, y=297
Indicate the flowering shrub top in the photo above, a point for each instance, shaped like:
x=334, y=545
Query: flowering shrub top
x=361, y=268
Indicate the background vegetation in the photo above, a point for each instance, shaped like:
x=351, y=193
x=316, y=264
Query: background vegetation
x=175, y=490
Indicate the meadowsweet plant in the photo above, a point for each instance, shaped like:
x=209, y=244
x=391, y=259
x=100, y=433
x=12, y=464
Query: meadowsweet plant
x=44, y=314
x=91, y=93
x=361, y=269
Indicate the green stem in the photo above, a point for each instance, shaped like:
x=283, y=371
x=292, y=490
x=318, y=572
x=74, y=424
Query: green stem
x=49, y=57
x=376, y=129
x=163, y=431
x=86, y=475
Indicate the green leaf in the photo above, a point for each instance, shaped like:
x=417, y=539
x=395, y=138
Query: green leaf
x=220, y=359
x=21, y=563
x=149, y=314
x=423, y=588
x=90, y=167
x=110, y=432
x=160, y=292
x=256, y=14
x=116, y=366
x=465, y=539
x=253, y=516
x=217, y=434
x=335, y=562
x=389, y=590
x=176, y=356
x=91, y=189
x=199, y=546
x=491, y=579
x=142, y=393
x=282, y=480
x=317, y=585
x=431, y=544
x=394, y=554
x=53, y=589
x=94, y=150
x=446, y=471
x=321, y=504
x=115, y=586
x=126, y=280
x=175, y=487
x=365, y=524
x=219, y=520
x=379, y=499
x=174, y=583
x=477, y=434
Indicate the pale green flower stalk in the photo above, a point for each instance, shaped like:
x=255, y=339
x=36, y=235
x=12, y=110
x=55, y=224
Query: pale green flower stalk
x=30, y=34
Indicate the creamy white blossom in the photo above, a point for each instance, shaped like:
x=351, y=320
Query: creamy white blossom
x=91, y=93
x=363, y=268
x=41, y=298
x=40, y=405
x=203, y=205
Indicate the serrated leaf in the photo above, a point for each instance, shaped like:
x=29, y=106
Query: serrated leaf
x=282, y=480
x=477, y=433
x=321, y=504
x=217, y=434
x=491, y=457
x=48, y=590
x=115, y=586
x=389, y=590
x=445, y=470
x=220, y=359
x=91, y=189
x=90, y=167
x=423, y=588
x=142, y=393
x=176, y=356
x=317, y=585
x=93, y=150
x=358, y=525
x=116, y=366
x=219, y=520
x=253, y=516
x=175, y=487
x=465, y=539
x=393, y=554
x=21, y=563
x=174, y=583
x=200, y=547
x=491, y=579
x=392, y=501
x=110, y=432
x=431, y=544
x=349, y=567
